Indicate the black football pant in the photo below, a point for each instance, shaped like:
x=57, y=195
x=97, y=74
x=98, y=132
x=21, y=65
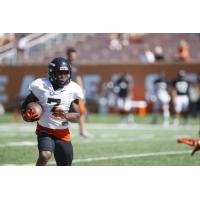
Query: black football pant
x=63, y=151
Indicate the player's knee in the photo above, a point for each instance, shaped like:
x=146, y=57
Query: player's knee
x=45, y=155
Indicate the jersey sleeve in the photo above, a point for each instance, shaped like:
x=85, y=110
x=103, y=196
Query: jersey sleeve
x=34, y=88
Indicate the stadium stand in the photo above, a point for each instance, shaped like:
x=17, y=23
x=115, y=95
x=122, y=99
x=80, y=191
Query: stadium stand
x=95, y=47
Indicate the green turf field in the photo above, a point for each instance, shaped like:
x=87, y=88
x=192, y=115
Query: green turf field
x=110, y=143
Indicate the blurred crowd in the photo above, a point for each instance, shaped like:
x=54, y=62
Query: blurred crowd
x=12, y=38
x=6, y=38
x=147, y=55
x=102, y=47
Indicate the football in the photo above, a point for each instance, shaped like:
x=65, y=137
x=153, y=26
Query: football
x=35, y=110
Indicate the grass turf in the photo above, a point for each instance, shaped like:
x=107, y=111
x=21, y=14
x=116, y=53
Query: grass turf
x=110, y=144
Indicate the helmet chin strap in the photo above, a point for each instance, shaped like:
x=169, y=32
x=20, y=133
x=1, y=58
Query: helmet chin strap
x=55, y=82
x=57, y=85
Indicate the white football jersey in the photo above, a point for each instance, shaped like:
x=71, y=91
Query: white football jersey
x=48, y=99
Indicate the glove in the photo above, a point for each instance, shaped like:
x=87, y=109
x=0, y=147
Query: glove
x=195, y=143
x=59, y=113
x=29, y=116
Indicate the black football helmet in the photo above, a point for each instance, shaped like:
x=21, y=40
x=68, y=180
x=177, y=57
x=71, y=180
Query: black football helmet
x=56, y=65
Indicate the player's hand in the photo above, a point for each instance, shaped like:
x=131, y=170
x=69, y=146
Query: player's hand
x=59, y=113
x=195, y=143
x=29, y=116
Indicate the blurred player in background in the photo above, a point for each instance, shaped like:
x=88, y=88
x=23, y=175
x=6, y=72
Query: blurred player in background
x=59, y=98
x=108, y=96
x=2, y=109
x=161, y=99
x=72, y=55
x=123, y=90
x=194, y=95
x=180, y=96
x=198, y=104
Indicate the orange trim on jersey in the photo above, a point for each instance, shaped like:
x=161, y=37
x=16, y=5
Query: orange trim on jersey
x=63, y=134
x=82, y=107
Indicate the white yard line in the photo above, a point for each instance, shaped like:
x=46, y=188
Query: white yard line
x=139, y=155
x=134, y=138
x=18, y=144
x=154, y=154
x=19, y=128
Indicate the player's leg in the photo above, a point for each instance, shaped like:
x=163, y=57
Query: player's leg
x=129, y=110
x=185, y=109
x=121, y=109
x=198, y=107
x=178, y=109
x=46, y=147
x=156, y=107
x=82, y=126
x=166, y=113
x=63, y=152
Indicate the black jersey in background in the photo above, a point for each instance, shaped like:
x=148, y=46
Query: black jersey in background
x=121, y=87
x=181, y=86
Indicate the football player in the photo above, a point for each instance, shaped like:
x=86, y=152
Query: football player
x=162, y=98
x=180, y=96
x=71, y=55
x=194, y=143
x=59, y=97
x=123, y=91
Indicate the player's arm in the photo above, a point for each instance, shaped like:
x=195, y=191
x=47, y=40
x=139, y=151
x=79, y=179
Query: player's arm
x=130, y=90
x=74, y=112
x=79, y=81
x=24, y=112
x=173, y=92
x=73, y=115
x=30, y=98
